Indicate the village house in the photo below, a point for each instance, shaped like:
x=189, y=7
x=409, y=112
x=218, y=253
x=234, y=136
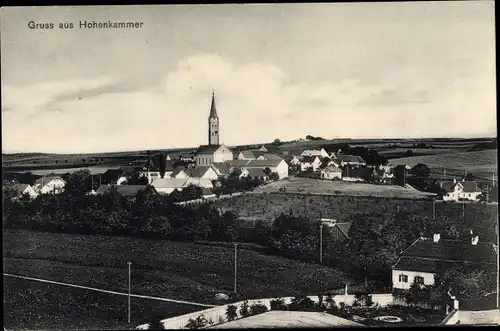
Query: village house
x=292, y=160
x=22, y=190
x=200, y=182
x=49, y=184
x=331, y=172
x=310, y=163
x=423, y=259
x=255, y=173
x=222, y=169
x=151, y=169
x=463, y=190
x=339, y=231
x=315, y=152
x=248, y=155
x=168, y=185
x=383, y=174
x=352, y=160
x=278, y=166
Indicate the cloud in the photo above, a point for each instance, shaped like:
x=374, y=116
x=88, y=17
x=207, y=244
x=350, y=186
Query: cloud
x=256, y=102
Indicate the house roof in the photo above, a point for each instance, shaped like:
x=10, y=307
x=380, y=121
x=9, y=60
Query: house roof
x=256, y=172
x=125, y=190
x=249, y=154
x=222, y=167
x=254, y=163
x=153, y=164
x=170, y=183
x=332, y=168
x=19, y=188
x=196, y=172
x=270, y=156
x=308, y=159
x=343, y=227
x=47, y=179
x=426, y=255
x=468, y=186
x=207, y=149
x=349, y=158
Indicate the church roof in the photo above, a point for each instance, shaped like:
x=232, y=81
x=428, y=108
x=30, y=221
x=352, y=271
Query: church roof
x=213, y=109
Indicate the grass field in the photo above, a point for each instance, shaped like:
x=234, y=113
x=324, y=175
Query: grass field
x=344, y=208
x=181, y=271
x=392, y=152
x=481, y=164
x=298, y=185
x=31, y=305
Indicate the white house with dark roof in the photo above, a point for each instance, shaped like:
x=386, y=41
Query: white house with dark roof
x=331, y=172
x=49, y=184
x=310, y=163
x=315, y=152
x=278, y=166
x=248, y=155
x=341, y=160
x=464, y=190
x=21, y=190
x=168, y=185
x=425, y=257
x=207, y=155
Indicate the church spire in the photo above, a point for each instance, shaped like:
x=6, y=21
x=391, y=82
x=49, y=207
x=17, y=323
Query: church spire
x=213, y=109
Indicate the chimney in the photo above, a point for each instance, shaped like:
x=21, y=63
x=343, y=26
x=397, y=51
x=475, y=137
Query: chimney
x=475, y=240
x=436, y=237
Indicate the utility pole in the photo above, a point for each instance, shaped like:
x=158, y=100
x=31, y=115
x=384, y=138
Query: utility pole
x=235, y=265
x=129, y=272
x=321, y=243
x=444, y=174
x=434, y=208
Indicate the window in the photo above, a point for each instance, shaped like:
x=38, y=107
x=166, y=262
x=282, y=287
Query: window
x=418, y=280
x=403, y=278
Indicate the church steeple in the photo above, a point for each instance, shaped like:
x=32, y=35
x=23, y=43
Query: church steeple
x=213, y=109
x=213, y=124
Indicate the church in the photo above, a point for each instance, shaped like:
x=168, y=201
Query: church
x=213, y=152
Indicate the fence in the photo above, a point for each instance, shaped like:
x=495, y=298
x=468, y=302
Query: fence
x=217, y=315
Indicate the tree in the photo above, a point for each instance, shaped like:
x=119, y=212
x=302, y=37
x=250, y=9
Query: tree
x=257, y=308
x=162, y=163
x=235, y=173
x=231, y=313
x=278, y=304
x=302, y=303
x=198, y=323
x=276, y=141
x=274, y=176
x=267, y=171
x=245, y=309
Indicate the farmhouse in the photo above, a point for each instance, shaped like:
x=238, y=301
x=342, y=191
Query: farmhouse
x=168, y=185
x=49, y=184
x=125, y=190
x=200, y=182
x=222, y=169
x=180, y=173
x=353, y=160
x=270, y=149
x=310, y=163
x=331, y=172
x=248, y=155
x=350, y=174
x=315, y=152
x=255, y=173
x=151, y=169
x=420, y=262
x=21, y=190
x=278, y=166
x=464, y=190
x=269, y=156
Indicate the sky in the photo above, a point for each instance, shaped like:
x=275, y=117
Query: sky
x=340, y=70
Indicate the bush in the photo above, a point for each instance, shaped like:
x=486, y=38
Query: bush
x=257, y=308
x=231, y=313
x=245, y=309
x=198, y=323
x=278, y=304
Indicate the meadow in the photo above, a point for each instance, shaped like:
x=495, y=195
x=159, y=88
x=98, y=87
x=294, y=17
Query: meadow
x=31, y=305
x=481, y=164
x=345, y=208
x=300, y=185
x=161, y=268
